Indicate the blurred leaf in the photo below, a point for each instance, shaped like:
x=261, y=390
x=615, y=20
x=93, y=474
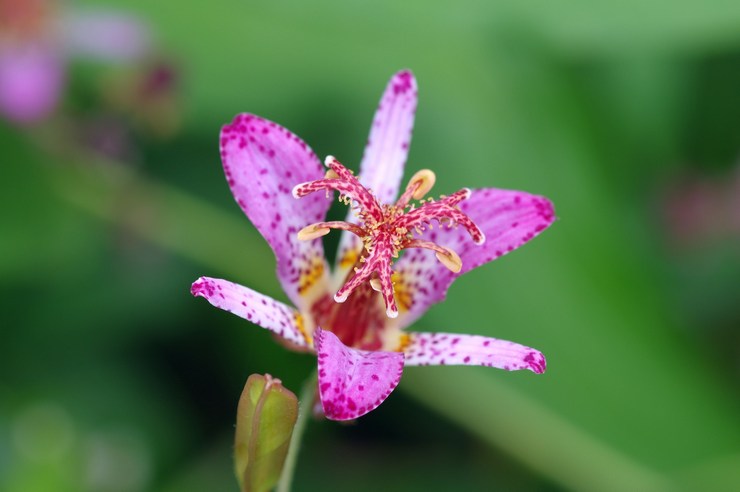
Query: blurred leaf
x=265, y=418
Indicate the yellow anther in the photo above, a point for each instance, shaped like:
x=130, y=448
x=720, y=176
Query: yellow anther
x=312, y=232
x=451, y=260
x=331, y=174
x=424, y=180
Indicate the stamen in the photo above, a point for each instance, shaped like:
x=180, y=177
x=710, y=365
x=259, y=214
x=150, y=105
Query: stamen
x=322, y=229
x=450, y=259
x=424, y=180
x=385, y=231
x=445, y=255
x=419, y=185
x=312, y=232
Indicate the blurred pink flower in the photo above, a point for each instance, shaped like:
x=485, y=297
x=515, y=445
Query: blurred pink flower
x=700, y=209
x=359, y=338
x=31, y=78
x=37, y=41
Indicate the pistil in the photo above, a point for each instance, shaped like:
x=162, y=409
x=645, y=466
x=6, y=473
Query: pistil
x=385, y=230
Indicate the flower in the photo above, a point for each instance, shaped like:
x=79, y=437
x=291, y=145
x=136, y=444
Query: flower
x=36, y=42
x=700, y=210
x=357, y=333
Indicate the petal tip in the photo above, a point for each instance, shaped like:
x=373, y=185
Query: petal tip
x=546, y=209
x=405, y=75
x=536, y=362
x=403, y=82
x=201, y=287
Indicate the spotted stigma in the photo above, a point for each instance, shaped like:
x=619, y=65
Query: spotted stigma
x=385, y=230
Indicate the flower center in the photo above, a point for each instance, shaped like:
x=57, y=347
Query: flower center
x=385, y=230
x=359, y=322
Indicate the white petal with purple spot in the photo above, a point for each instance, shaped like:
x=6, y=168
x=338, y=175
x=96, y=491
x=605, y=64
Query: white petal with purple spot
x=508, y=220
x=446, y=349
x=263, y=162
x=386, y=151
x=253, y=306
x=353, y=382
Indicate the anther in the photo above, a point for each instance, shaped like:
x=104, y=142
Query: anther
x=312, y=231
x=450, y=259
x=424, y=180
x=419, y=185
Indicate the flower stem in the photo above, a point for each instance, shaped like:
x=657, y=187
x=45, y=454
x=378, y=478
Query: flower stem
x=304, y=413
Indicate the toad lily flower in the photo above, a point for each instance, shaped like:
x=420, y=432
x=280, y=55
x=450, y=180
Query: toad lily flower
x=354, y=318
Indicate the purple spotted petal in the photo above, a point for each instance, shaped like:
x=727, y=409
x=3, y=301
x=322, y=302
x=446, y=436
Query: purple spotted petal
x=387, y=147
x=390, y=136
x=446, y=349
x=263, y=162
x=508, y=219
x=106, y=35
x=253, y=306
x=31, y=80
x=353, y=382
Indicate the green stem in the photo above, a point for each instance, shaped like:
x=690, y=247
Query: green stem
x=304, y=413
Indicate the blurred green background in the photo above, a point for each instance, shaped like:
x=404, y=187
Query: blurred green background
x=113, y=378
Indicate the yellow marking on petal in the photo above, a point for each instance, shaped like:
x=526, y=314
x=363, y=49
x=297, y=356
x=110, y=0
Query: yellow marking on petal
x=403, y=342
x=402, y=292
x=310, y=276
x=349, y=259
x=301, y=325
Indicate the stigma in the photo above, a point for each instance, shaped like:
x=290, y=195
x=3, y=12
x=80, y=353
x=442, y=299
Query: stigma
x=385, y=230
